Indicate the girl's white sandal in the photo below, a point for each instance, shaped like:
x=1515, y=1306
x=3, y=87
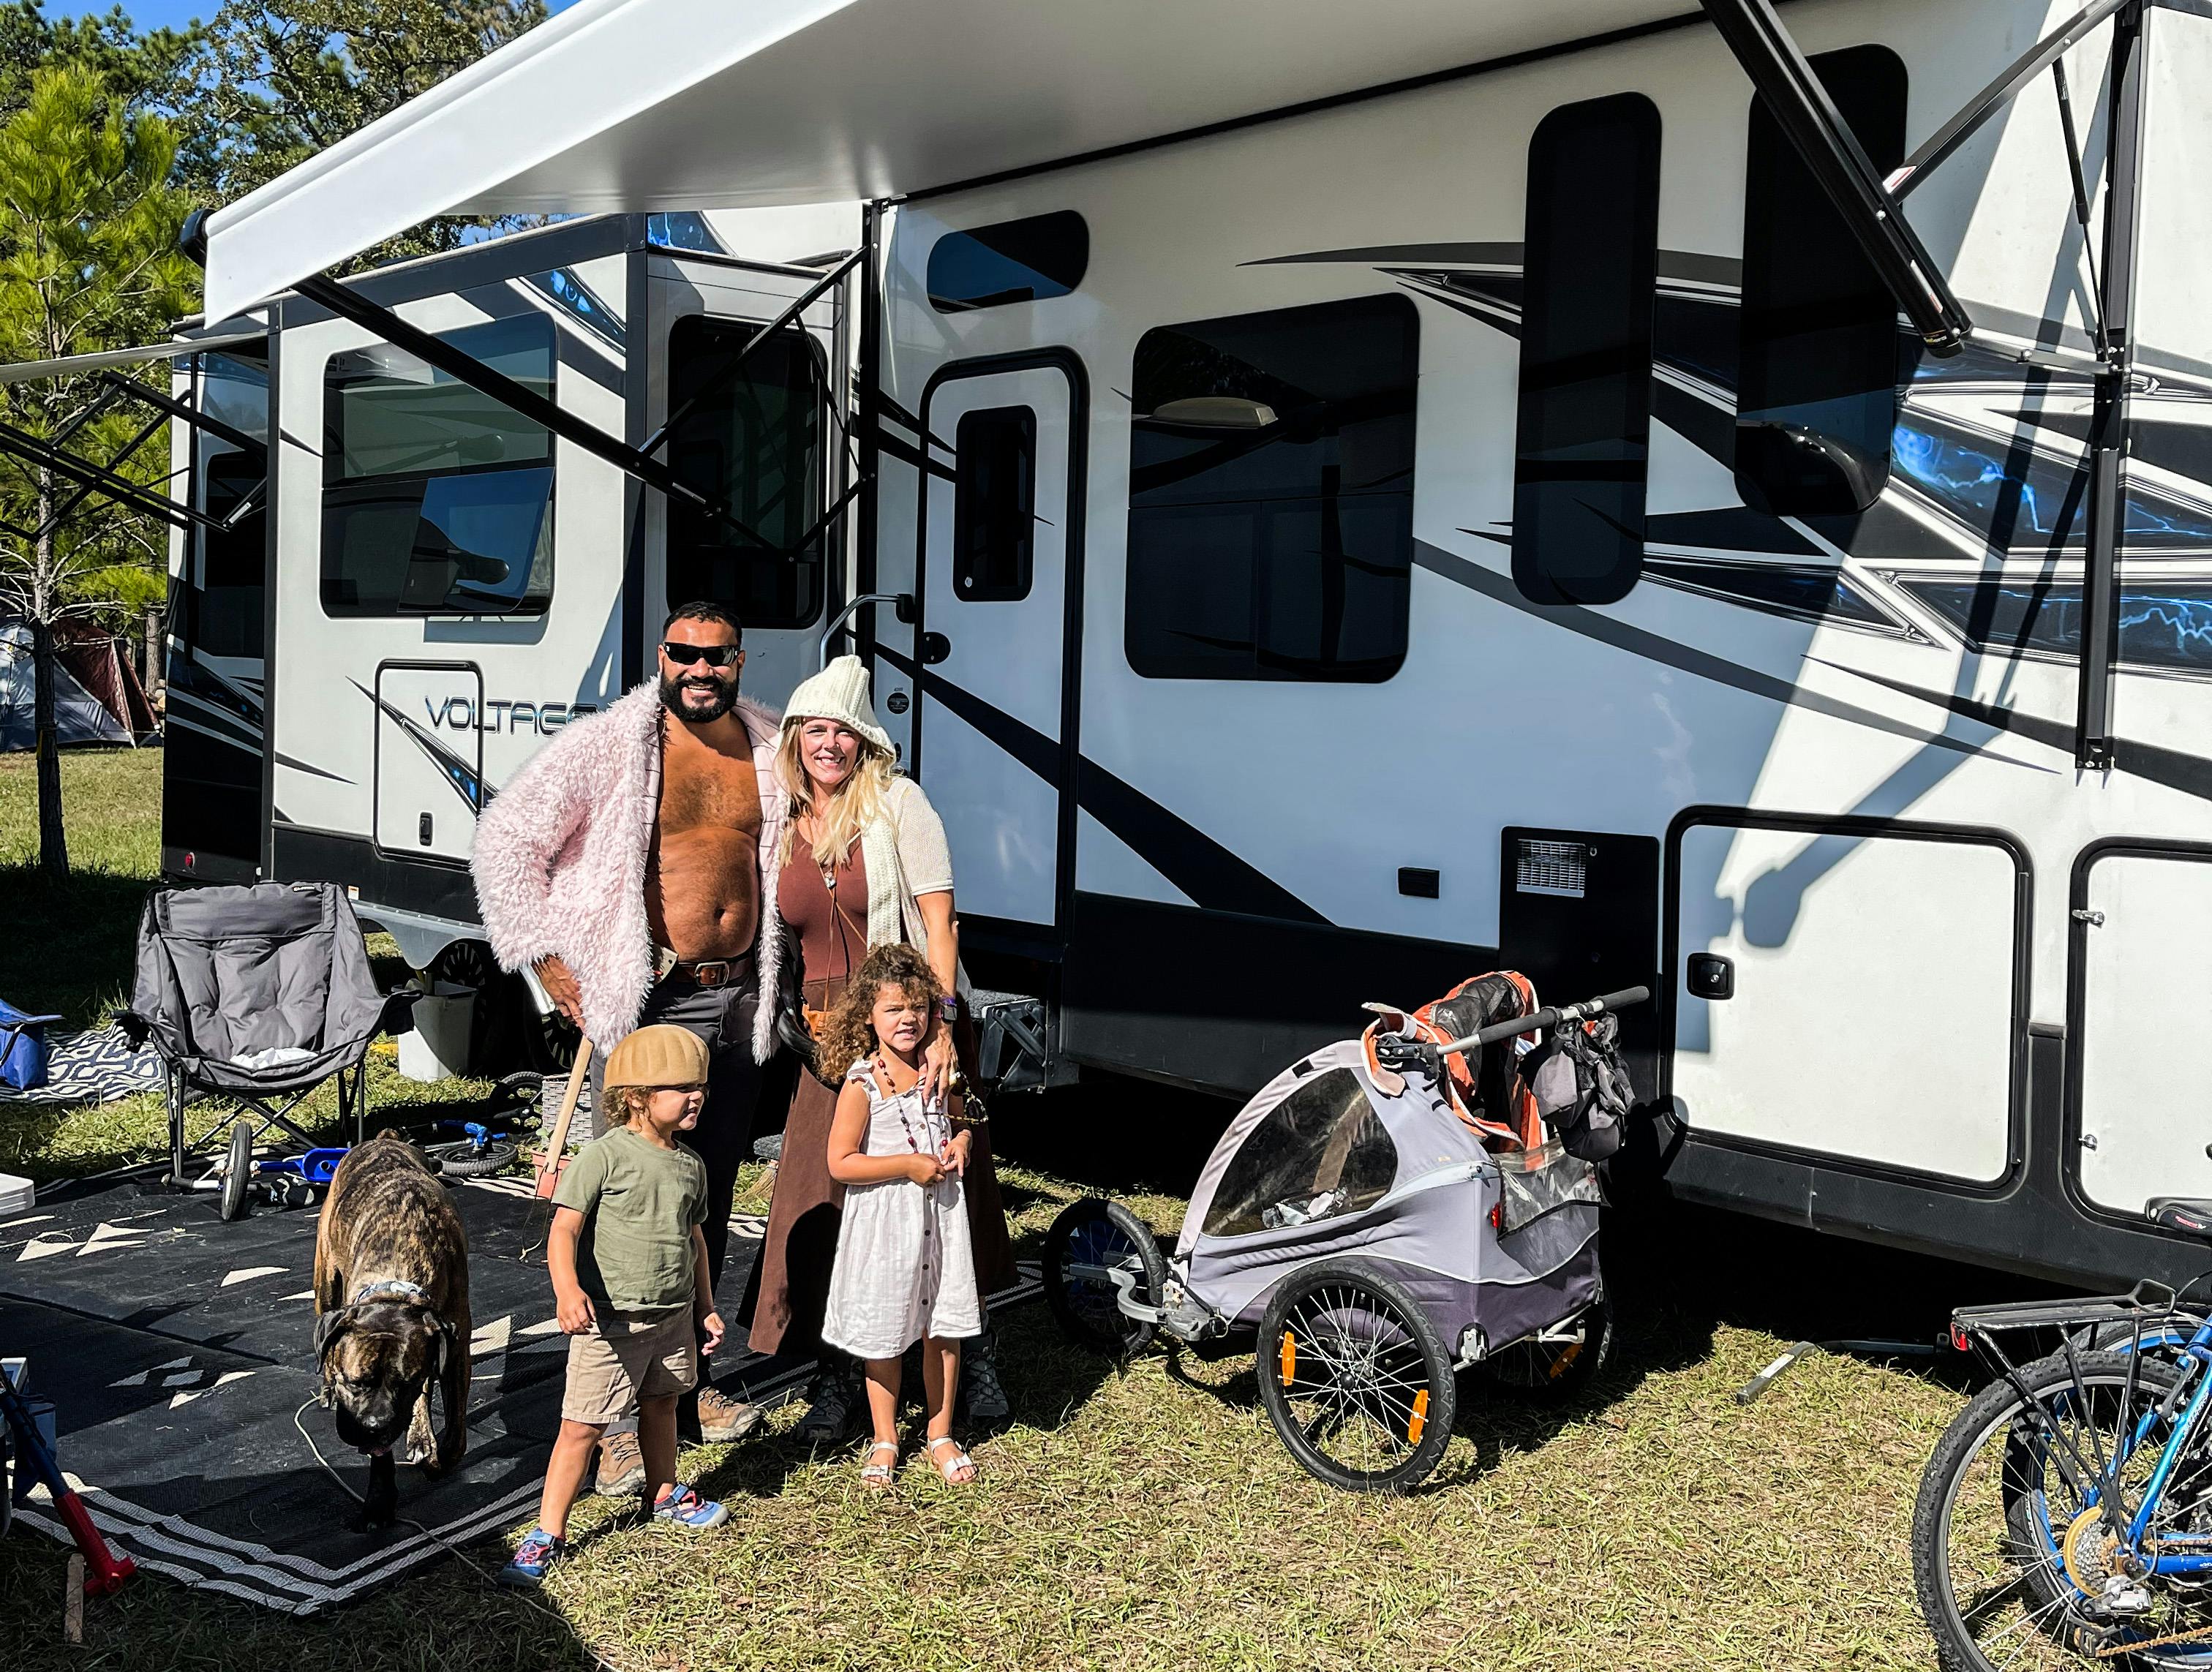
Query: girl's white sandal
x=876, y=1476
x=950, y=1467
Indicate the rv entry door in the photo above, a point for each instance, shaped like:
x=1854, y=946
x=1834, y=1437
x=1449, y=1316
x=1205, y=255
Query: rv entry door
x=997, y=543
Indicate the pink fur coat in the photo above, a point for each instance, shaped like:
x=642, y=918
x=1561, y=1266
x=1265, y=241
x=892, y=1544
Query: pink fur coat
x=560, y=855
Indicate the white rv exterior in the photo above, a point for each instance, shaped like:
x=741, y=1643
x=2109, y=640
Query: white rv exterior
x=1234, y=738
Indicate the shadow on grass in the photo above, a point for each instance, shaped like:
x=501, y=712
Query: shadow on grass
x=70, y=944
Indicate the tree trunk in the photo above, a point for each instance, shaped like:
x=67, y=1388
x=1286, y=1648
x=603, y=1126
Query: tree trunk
x=53, y=841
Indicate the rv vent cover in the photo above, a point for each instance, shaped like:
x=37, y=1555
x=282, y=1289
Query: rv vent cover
x=1550, y=867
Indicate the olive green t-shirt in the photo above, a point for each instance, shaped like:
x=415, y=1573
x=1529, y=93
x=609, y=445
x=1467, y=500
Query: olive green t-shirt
x=639, y=1203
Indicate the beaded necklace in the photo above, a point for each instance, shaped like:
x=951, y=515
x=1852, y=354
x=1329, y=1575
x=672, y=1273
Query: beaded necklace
x=884, y=1071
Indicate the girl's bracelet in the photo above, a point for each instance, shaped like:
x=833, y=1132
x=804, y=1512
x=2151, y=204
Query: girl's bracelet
x=965, y=1119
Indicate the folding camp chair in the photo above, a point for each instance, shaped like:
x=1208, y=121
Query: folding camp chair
x=257, y=995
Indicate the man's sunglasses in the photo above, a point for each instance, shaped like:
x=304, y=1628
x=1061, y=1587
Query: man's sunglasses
x=715, y=655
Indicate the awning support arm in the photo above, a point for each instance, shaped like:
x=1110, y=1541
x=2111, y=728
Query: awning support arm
x=2108, y=425
x=463, y=367
x=130, y=389
x=723, y=379
x=37, y=452
x=2080, y=203
x=1801, y=105
x=1986, y=103
x=60, y=512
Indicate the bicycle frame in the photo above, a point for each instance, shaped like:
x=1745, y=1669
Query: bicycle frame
x=2182, y=1555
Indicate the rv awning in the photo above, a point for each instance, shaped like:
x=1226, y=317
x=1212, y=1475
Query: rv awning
x=656, y=105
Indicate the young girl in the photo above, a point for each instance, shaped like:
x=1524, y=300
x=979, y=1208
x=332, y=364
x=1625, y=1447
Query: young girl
x=904, y=1271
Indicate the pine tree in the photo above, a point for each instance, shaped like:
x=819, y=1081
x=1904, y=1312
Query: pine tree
x=88, y=260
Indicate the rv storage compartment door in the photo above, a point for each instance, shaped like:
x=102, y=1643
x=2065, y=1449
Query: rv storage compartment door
x=429, y=758
x=993, y=566
x=2146, y=975
x=1874, y=1012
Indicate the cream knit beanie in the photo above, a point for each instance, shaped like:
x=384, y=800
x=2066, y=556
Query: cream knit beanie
x=839, y=692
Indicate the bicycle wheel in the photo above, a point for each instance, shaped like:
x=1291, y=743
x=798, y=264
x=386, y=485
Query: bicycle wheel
x=238, y=1171
x=2012, y=1559
x=1356, y=1378
x=1559, y=1366
x=464, y=1160
x=1088, y=1238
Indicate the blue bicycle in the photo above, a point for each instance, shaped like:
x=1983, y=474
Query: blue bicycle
x=2065, y=1518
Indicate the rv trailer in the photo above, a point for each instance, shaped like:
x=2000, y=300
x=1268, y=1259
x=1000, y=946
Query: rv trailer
x=1718, y=496
x=437, y=608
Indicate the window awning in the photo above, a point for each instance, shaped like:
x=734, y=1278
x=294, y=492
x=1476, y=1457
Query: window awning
x=658, y=105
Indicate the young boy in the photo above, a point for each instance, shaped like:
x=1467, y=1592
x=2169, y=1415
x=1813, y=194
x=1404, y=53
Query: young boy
x=630, y=1287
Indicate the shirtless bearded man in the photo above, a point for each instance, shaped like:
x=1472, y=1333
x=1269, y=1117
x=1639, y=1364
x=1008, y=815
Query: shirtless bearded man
x=627, y=863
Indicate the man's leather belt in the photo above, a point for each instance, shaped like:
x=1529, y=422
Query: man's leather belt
x=705, y=971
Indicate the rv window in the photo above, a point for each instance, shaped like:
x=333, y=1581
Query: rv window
x=1591, y=266
x=755, y=443
x=1015, y=261
x=1319, y=1153
x=994, y=505
x=437, y=500
x=1271, y=494
x=1818, y=357
x=225, y=605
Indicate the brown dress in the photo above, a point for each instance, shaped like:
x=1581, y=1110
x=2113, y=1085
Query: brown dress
x=791, y=1281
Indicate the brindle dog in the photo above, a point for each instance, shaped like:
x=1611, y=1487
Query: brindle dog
x=392, y=1304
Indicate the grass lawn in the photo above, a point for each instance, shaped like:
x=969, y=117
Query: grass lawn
x=1147, y=1516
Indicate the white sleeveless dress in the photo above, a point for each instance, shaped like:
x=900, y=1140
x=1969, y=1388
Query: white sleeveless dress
x=904, y=1266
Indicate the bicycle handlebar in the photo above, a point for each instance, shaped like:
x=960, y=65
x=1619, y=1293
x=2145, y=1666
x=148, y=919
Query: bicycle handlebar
x=1550, y=1017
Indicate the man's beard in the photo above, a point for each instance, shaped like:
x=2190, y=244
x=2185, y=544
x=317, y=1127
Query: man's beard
x=723, y=693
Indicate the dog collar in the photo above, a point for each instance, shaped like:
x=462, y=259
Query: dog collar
x=397, y=1287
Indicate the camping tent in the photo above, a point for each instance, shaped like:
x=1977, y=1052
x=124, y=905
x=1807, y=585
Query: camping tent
x=97, y=697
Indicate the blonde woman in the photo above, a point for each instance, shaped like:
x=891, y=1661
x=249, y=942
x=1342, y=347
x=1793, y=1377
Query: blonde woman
x=862, y=863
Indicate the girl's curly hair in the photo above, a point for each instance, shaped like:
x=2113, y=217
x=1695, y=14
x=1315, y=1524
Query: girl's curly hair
x=848, y=1033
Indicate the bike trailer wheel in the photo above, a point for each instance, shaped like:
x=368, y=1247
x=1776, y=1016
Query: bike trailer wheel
x=1560, y=1367
x=238, y=1171
x=1089, y=1239
x=1355, y=1377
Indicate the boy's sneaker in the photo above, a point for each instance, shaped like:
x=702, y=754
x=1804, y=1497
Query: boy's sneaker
x=622, y=1467
x=539, y=1551
x=687, y=1509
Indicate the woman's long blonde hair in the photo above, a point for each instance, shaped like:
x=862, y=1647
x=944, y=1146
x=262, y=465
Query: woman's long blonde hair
x=848, y=810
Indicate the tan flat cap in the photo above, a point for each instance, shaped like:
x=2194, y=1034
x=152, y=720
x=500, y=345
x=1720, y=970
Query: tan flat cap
x=659, y=1055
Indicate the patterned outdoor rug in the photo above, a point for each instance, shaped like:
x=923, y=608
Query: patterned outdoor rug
x=95, y=1067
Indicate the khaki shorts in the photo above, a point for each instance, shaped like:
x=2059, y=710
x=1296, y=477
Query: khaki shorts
x=626, y=1357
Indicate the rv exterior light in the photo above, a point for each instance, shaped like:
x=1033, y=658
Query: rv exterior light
x=1215, y=412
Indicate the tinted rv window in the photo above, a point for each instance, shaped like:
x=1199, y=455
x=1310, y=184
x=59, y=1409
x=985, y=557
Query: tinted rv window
x=437, y=500
x=225, y=602
x=994, y=505
x=1271, y=494
x=1585, y=417
x=1016, y=261
x=1818, y=367
x=754, y=441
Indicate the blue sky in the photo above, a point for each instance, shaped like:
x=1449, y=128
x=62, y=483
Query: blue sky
x=174, y=14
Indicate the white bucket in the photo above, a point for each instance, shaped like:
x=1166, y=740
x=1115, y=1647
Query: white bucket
x=437, y=1046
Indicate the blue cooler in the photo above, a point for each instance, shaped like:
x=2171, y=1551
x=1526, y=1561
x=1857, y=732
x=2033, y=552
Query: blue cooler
x=22, y=1049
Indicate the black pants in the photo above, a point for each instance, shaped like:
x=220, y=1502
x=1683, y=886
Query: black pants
x=722, y=1016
